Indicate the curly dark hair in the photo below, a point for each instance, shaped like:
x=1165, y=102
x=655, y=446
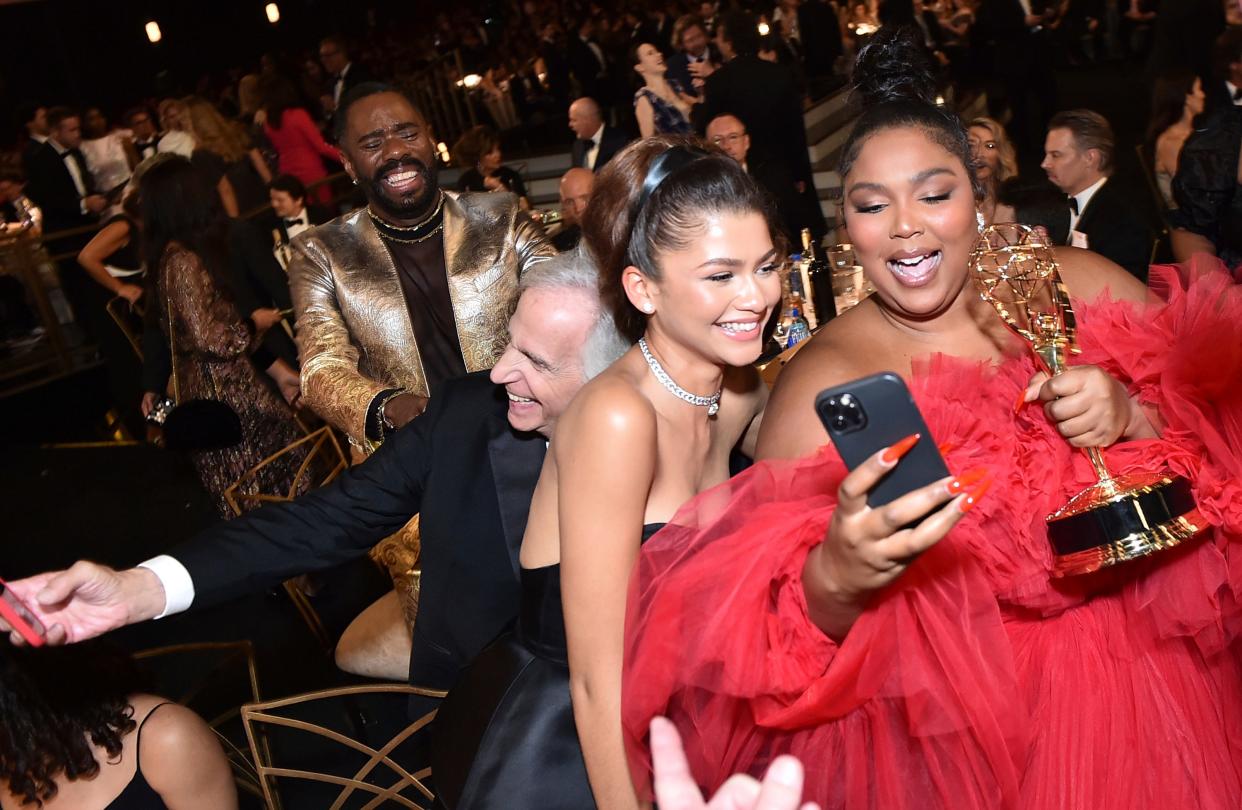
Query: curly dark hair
x=56, y=702
x=895, y=82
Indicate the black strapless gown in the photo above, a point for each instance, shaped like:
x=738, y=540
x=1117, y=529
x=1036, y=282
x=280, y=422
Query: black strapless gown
x=505, y=735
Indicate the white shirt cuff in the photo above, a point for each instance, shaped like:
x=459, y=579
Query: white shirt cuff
x=178, y=587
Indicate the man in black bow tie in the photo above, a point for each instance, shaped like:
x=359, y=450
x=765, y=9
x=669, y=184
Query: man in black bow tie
x=1078, y=158
x=343, y=74
x=597, y=142
x=59, y=180
x=146, y=137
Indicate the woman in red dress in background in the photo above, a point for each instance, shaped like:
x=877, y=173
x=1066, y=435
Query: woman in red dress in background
x=300, y=148
x=943, y=666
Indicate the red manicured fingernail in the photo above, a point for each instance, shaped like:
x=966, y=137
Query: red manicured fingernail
x=975, y=496
x=945, y=447
x=968, y=479
x=1017, y=406
x=898, y=449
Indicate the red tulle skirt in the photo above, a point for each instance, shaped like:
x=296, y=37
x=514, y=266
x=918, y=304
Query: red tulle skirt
x=976, y=680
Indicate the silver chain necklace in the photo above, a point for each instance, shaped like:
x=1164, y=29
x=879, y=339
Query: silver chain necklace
x=712, y=403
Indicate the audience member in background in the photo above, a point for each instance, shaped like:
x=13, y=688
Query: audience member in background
x=113, y=257
x=553, y=54
x=80, y=732
x=575, y=188
x=693, y=62
x=1177, y=100
x=597, y=142
x=58, y=178
x=250, y=112
x=729, y=134
x=175, y=133
x=14, y=204
x=293, y=214
x=996, y=163
x=110, y=155
x=821, y=37
x=146, y=138
x=300, y=147
x=1208, y=182
x=343, y=73
x=660, y=105
x=1015, y=32
x=225, y=155
x=37, y=133
x=215, y=350
x=477, y=151
x=765, y=97
x=589, y=64
x=1078, y=159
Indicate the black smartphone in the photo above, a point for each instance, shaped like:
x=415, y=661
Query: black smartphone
x=864, y=416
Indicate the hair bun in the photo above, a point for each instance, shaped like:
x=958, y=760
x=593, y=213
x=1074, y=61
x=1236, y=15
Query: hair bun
x=894, y=66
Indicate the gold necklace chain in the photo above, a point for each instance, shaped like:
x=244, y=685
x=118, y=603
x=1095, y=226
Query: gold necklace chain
x=439, y=226
x=407, y=228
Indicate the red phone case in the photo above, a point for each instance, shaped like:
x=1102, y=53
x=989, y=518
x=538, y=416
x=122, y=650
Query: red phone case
x=20, y=618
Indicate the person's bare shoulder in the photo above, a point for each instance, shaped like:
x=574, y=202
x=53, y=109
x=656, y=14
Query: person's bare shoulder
x=182, y=759
x=608, y=409
x=1088, y=275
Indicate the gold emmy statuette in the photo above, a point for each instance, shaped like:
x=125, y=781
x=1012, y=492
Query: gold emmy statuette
x=1118, y=518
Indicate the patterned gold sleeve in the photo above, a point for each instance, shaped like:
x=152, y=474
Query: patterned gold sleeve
x=331, y=382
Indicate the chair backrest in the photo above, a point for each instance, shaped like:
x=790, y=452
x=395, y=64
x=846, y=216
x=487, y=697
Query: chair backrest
x=324, y=461
x=400, y=785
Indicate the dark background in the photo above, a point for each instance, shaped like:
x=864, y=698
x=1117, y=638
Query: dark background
x=81, y=52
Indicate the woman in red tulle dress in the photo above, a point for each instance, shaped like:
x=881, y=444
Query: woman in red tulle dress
x=943, y=666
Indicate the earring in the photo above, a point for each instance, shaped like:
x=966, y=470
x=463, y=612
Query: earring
x=979, y=219
x=648, y=308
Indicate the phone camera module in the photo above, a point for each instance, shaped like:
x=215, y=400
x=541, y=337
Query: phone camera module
x=846, y=414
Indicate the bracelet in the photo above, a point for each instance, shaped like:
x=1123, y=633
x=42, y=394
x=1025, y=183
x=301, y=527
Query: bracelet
x=381, y=422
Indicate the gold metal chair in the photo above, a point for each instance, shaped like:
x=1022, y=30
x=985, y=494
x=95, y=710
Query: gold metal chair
x=257, y=717
x=324, y=461
x=225, y=655
x=120, y=312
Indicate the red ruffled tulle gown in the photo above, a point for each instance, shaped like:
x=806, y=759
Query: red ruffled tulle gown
x=975, y=680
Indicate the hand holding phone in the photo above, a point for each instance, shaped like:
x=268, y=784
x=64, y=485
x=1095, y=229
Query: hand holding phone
x=20, y=618
x=897, y=501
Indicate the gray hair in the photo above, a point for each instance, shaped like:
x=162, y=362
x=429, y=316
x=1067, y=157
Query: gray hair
x=576, y=271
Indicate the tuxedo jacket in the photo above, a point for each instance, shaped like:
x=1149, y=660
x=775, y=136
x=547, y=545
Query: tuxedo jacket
x=51, y=186
x=592, y=75
x=766, y=98
x=610, y=143
x=1117, y=229
x=462, y=468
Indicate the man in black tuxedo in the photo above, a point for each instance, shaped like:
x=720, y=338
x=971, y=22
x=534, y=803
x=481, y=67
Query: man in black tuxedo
x=468, y=465
x=343, y=73
x=589, y=63
x=35, y=119
x=765, y=97
x=1078, y=158
x=146, y=136
x=596, y=141
x=693, y=49
x=1015, y=32
x=58, y=179
x=728, y=132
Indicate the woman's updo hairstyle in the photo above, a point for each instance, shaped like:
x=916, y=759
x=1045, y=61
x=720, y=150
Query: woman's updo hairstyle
x=653, y=197
x=895, y=82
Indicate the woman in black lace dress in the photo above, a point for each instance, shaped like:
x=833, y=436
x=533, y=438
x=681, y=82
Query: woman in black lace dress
x=216, y=352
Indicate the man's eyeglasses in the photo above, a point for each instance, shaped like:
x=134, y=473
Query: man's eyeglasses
x=732, y=137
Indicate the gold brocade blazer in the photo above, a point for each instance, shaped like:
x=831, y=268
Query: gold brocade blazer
x=353, y=327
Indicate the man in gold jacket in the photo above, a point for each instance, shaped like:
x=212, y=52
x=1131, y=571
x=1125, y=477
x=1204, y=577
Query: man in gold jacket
x=410, y=290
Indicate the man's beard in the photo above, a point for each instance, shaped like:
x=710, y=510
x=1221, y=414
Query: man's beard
x=408, y=206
